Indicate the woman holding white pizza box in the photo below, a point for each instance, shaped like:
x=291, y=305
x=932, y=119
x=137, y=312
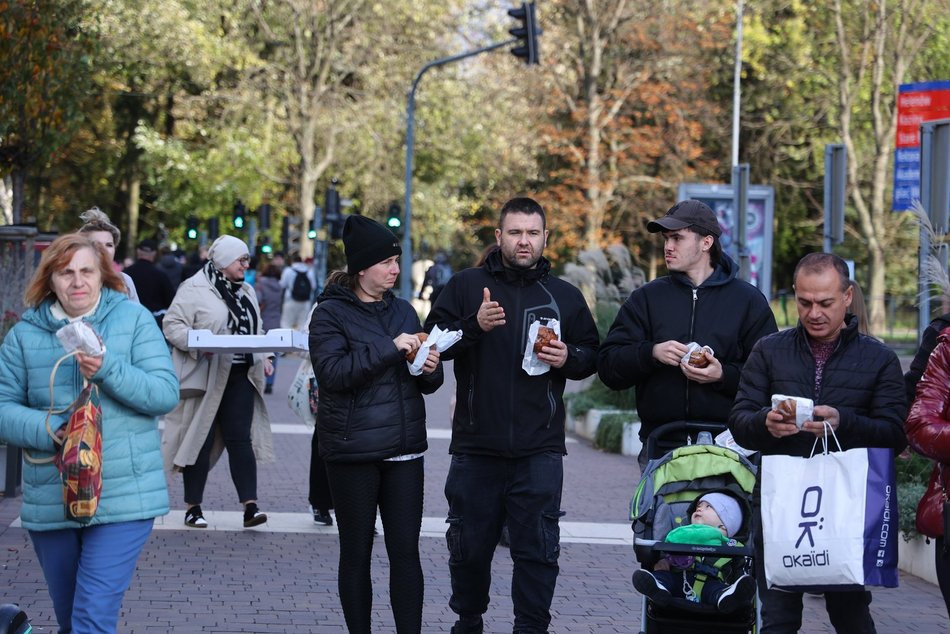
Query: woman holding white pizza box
x=222, y=403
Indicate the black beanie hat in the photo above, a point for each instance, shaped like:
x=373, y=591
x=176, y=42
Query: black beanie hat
x=366, y=242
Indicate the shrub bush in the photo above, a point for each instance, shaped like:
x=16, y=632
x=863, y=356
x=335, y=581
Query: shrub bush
x=609, y=436
x=913, y=473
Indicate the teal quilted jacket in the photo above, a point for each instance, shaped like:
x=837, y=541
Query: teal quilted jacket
x=136, y=385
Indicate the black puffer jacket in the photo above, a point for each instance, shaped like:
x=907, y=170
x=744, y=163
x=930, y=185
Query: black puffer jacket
x=724, y=313
x=862, y=380
x=500, y=410
x=371, y=408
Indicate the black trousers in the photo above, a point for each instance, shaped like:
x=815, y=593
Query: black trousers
x=484, y=494
x=234, y=417
x=396, y=488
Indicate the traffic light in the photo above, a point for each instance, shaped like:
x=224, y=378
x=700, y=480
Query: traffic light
x=334, y=218
x=240, y=212
x=528, y=33
x=191, y=231
x=264, y=216
x=213, y=230
x=394, y=220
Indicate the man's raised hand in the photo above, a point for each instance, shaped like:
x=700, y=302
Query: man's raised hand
x=490, y=314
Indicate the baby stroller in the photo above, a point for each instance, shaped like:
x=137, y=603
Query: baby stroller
x=674, y=480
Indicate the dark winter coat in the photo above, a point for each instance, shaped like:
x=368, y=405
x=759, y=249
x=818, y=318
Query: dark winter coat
x=371, y=408
x=862, y=380
x=927, y=344
x=500, y=410
x=270, y=297
x=724, y=313
x=928, y=432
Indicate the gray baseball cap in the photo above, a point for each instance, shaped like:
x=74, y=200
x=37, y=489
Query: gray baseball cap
x=687, y=213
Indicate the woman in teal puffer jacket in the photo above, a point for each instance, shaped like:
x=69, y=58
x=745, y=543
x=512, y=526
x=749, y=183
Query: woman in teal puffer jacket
x=88, y=566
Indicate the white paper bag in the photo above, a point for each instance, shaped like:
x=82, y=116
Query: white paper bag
x=830, y=520
x=531, y=364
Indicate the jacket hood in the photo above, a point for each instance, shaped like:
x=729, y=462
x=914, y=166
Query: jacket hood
x=519, y=277
x=725, y=272
x=41, y=317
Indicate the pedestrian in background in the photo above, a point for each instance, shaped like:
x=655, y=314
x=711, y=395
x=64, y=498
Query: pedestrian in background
x=153, y=287
x=855, y=383
x=702, y=300
x=371, y=421
x=99, y=228
x=508, y=427
x=87, y=567
x=270, y=299
x=299, y=284
x=225, y=408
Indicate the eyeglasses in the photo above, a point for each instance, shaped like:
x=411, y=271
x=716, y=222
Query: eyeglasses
x=245, y=260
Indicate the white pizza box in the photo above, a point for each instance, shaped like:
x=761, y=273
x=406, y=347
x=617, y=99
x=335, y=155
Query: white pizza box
x=276, y=340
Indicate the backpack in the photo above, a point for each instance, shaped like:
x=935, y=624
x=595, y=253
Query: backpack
x=301, y=289
x=441, y=273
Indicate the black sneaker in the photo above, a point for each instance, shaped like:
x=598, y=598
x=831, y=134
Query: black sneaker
x=194, y=518
x=322, y=517
x=737, y=595
x=268, y=389
x=253, y=515
x=468, y=625
x=649, y=586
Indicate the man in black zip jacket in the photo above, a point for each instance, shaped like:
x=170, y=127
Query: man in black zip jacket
x=508, y=428
x=855, y=383
x=702, y=300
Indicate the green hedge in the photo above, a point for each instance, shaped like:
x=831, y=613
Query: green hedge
x=609, y=436
x=913, y=473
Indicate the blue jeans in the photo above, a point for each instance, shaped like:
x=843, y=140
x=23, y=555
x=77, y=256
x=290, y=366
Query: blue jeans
x=484, y=493
x=88, y=571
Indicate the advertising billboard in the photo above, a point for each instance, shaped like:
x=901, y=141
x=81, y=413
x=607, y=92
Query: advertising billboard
x=759, y=215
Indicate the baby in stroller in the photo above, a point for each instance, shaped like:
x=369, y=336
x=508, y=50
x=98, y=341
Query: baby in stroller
x=715, y=518
x=688, y=587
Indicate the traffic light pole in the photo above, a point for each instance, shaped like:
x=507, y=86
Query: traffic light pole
x=405, y=282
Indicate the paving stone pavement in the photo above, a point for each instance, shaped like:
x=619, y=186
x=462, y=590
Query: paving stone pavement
x=281, y=577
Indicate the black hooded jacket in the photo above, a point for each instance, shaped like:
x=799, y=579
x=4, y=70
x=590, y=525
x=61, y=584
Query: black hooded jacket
x=723, y=312
x=371, y=407
x=500, y=410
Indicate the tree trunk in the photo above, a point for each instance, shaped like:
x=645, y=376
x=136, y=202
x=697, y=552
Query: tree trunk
x=134, y=187
x=19, y=185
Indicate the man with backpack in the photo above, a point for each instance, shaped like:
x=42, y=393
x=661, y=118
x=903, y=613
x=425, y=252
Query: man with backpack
x=437, y=276
x=299, y=284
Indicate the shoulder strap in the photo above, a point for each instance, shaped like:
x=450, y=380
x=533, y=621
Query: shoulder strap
x=49, y=429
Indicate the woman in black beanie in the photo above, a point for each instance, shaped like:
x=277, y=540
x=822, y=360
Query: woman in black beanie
x=371, y=421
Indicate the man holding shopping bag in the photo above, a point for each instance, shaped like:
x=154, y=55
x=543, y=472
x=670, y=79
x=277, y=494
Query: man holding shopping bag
x=855, y=386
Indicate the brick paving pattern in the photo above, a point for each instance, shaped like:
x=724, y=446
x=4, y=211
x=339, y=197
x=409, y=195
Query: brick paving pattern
x=281, y=577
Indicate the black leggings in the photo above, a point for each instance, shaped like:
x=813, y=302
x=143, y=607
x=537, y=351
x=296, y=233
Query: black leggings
x=396, y=487
x=942, y=563
x=234, y=417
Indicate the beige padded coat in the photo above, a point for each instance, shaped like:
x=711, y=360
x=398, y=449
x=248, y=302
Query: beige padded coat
x=197, y=305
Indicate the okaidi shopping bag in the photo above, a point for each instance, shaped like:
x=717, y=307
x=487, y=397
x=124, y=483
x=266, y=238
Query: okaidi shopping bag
x=830, y=522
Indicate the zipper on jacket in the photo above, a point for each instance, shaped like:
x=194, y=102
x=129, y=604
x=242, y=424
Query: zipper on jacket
x=692, y=322
x=397, y=378
x=552, y=404
x=511, y=391
x=349, y=417
x=471, y=401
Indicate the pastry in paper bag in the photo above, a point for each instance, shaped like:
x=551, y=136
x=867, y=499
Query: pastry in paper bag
x=799, y=407
x=541, y=331
x=438, y=339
